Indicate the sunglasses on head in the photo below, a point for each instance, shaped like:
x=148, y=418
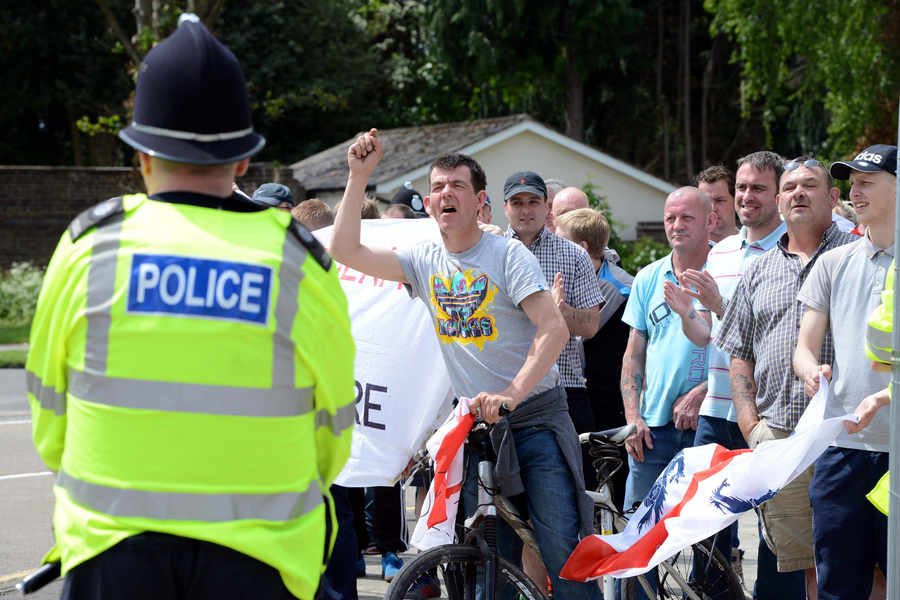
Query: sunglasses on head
x=807, y=163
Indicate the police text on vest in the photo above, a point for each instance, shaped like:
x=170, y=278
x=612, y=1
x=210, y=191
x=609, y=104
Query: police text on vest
x=199, y=287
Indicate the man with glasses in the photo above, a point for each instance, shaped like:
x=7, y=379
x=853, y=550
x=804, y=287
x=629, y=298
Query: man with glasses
x=759, y=327
x=851, y=536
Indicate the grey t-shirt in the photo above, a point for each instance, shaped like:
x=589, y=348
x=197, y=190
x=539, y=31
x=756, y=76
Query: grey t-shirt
x=846, y=284
x=474, y=297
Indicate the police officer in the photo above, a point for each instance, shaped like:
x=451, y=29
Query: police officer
x=191, y=366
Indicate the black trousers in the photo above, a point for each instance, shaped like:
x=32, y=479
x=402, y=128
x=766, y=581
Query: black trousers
x=150, y=566
x=379, y=518
x=583, y=419
x=339, y=580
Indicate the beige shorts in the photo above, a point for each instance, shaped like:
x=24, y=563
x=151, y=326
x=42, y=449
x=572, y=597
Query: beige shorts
x=787, y=517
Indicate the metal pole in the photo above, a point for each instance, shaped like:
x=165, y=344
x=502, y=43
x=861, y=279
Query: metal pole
x=893, y=534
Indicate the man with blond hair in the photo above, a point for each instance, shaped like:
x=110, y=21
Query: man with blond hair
x=603, y=353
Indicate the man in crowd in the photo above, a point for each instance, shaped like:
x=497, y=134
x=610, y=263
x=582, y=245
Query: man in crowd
x=663, y=374
x=501, y=332
x=842, y=290
x=603, y=353
x=313, y=213
x=717, y=182
x=756, y=189
x=576, y=292
x=166, y=484
x=553, y=187
x=409, y=198
x=275, y=195
x=486, y=214
x=659, y=356
x=568, y=199
x=758, y=330
x=575, y=287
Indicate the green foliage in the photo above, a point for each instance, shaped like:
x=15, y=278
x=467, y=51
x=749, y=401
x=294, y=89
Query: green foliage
x=19, y=288
x=640, y=253
x=597, y=201
x=820, y=72
x=13, y=359
x=104, y=124
x=635, y=254
x=14, y=334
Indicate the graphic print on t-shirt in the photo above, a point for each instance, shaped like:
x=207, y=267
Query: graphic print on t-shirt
x=461, y=303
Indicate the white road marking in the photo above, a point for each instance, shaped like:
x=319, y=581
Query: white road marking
x=24, y=475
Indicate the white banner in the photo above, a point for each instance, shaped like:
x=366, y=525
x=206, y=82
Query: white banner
x=402, y=386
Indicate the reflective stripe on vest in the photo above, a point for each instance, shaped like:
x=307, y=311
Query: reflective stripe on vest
x=878, y=343
x=281, y=400
x=47, y=397
x=182, y=506
x=345, y=418
x=190, y=397
x=100, y=291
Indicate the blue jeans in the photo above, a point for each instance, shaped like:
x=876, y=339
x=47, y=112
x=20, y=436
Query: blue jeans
x=667, y=442
x=852, y=539
x=550, y=500
x=715, y=430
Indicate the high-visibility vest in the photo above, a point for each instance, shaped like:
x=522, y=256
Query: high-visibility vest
x=191, y=372
x=880, y=326
x=878, y=347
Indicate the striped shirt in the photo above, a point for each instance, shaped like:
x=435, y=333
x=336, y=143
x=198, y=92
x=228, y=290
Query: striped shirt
x=580, y=290
x=726, y=263
x=761, y=325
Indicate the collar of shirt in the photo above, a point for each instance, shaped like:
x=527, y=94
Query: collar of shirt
x=872, y=250
x=766, y=243
x=510, y=233
x=829, y=233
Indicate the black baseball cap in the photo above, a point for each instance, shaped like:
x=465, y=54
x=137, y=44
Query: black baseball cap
x=411, y=198
x=273, y=194
x=191, y=103
x=524, y=181
x=880, y=157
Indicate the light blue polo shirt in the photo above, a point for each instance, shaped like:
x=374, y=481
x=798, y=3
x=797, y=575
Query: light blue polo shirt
x=673, y=364
x=726, y=263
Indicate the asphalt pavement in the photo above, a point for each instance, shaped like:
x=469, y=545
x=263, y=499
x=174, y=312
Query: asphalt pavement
x=26, y=505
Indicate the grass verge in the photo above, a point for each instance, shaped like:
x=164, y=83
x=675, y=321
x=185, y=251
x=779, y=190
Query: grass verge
x=12, y=359
x=14, y=334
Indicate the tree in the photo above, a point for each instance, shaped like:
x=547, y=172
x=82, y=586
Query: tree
x=825, y=78
x=57, y=63
x=529, y=54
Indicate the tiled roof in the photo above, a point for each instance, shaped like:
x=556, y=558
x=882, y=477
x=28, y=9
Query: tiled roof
x=405, y=149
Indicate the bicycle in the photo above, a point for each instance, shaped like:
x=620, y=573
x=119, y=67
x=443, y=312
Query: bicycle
x=476, y=565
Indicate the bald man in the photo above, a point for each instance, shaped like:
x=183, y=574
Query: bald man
x=568, y=199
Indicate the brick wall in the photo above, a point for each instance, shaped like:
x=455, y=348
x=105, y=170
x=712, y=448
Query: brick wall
x=38, y=203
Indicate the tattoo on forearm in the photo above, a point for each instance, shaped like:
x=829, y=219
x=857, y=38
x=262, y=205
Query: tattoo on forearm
x=743, y=390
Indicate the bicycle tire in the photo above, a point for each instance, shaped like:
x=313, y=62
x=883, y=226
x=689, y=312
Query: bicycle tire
x=456, y=565
x=719, y=580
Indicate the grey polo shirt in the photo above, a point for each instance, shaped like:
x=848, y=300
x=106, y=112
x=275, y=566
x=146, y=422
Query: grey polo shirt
x=846, y=284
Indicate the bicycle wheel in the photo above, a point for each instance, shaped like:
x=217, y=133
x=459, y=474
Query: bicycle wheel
x=701, y=569
x=458, y=567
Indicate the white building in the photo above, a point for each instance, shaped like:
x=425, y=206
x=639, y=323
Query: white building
x=502, y=146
